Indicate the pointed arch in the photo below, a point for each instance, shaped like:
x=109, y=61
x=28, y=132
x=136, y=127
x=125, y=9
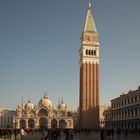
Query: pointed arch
x=31, y=123
x=22, y=123
x=94, y=52
x=91, y=52
x=43, y=112
x=54, y=124
x=62, y=124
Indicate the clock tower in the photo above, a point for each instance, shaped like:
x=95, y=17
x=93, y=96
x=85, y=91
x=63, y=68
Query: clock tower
x=89, y=74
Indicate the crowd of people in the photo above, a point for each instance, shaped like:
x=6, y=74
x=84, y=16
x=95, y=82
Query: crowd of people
x=7, y=133
x=109, y=134
x=57, y=134
x=66, y=134
x=45, y=134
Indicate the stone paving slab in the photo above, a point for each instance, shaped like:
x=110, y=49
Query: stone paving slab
x=91, y=136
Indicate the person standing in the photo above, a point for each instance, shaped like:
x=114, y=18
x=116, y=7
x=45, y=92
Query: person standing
x=45, y=135
x=62, y=135
x=22, y=133
x=15, y=133
x=102, y=134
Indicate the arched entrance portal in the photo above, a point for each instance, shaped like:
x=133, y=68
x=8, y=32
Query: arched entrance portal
x=22, y=124
x=62, y=124
x=31, y=123
x=43, y=123
x=43, y=113
x=54, y=124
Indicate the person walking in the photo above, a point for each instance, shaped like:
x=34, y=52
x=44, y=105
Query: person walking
x=62, y=135
x=45, y=135
x=22, y=133
x=102, y=134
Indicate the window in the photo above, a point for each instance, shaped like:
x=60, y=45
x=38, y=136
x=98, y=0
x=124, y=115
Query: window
x=128, y=113
x=86, y=52
x=125, y=113
x=136, y=111
x=132, y=113
x=135, y=98
x=89, y=52
x=92, y=52
x=119, y=103
x=125, y=102
x=131, y=99
x=122, y=114
x=128, y=101
x=112, y=105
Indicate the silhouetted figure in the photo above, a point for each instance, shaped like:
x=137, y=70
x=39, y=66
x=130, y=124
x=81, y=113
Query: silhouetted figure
x=102, y=134
x=126, y=134
x=45, y=135
x=112, y=133
x=15, y=133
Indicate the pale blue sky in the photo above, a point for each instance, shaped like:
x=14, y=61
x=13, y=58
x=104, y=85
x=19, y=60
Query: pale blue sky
x=39, y=48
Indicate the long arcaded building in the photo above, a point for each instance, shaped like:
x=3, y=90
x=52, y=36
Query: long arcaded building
x=124, y=112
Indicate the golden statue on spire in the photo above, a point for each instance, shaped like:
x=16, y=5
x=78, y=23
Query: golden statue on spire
x=89, y=4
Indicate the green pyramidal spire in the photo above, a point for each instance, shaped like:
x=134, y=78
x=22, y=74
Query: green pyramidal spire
x=89, y=23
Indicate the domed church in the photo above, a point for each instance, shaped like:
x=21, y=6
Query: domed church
x=43, y=115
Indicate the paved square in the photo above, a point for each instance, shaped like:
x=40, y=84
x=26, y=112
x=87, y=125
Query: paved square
x=82, y=136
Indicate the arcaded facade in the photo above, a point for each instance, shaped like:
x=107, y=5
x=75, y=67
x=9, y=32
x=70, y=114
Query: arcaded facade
x=6, y=118
x=124, y=112
x=43, y=115
x=89, y=75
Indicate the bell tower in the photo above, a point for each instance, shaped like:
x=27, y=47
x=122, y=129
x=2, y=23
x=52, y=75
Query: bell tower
x=89, y=74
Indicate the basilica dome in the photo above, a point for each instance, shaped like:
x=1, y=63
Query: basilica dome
x=29, y=105
x=45, y=102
